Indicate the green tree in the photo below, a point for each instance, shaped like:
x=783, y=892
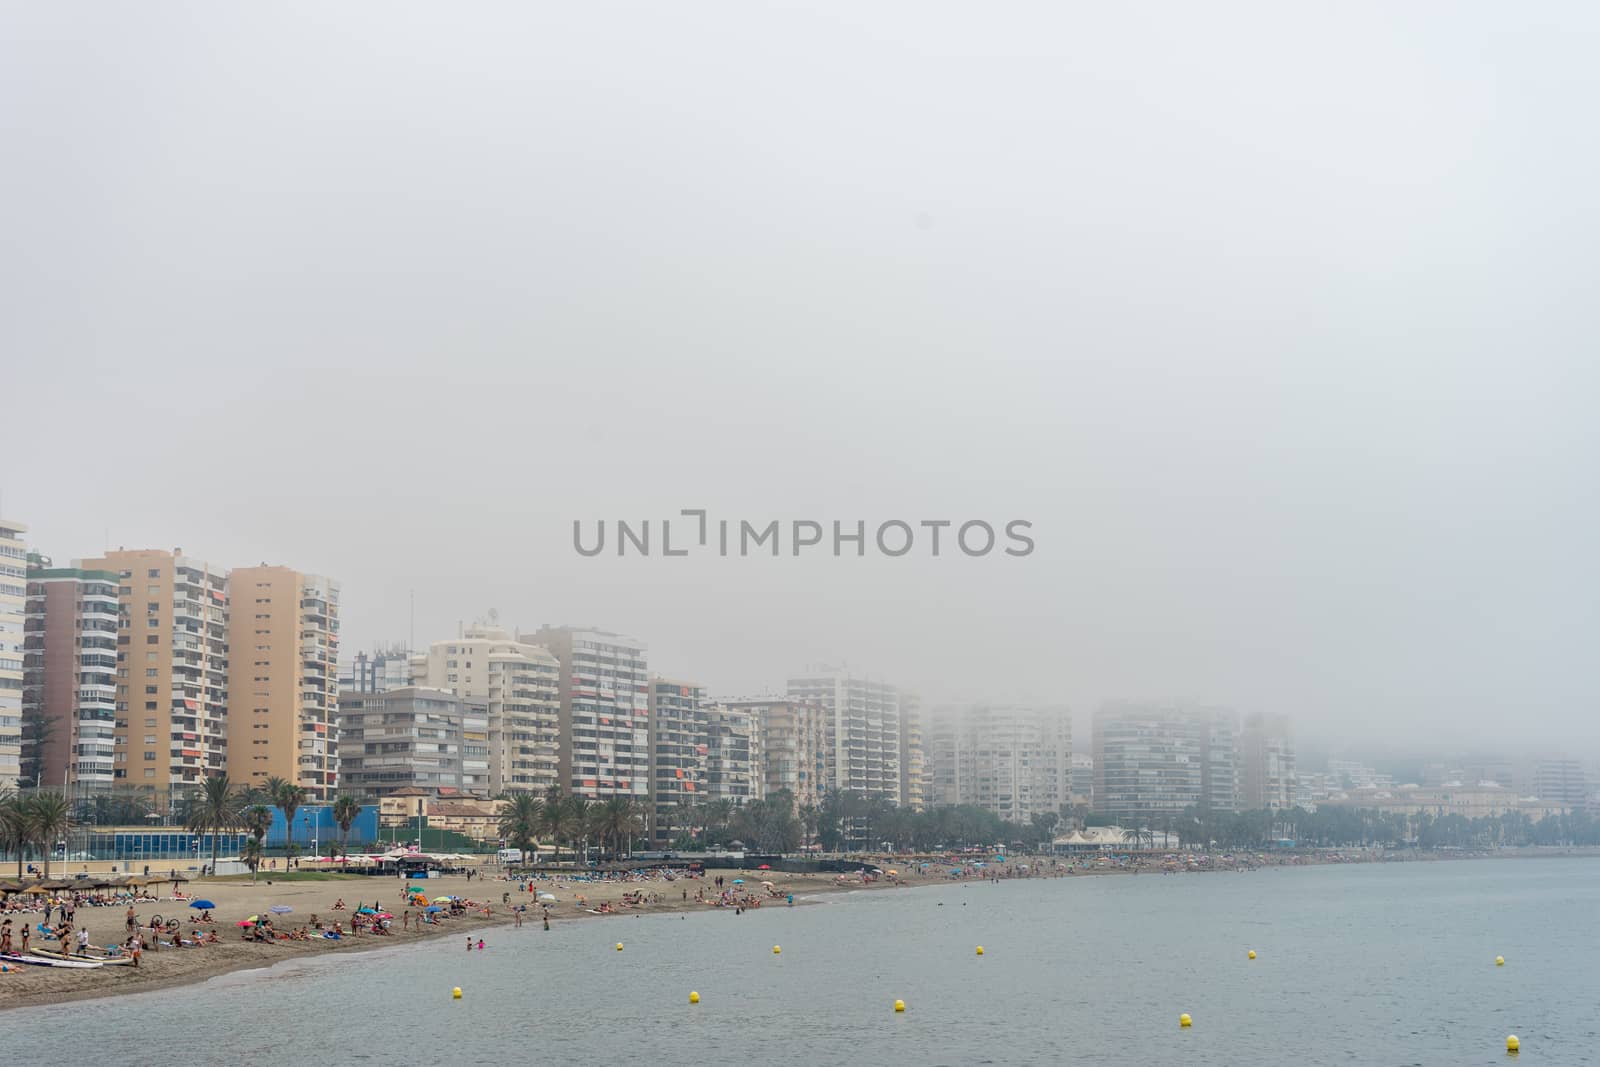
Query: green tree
x=288, y=797
x=346, y=810
x=520, y=821
x=214, y=810
x=15, y=833
x=49, y=818
x=256, y=820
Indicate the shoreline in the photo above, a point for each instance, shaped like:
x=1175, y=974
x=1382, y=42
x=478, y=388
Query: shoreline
x=31, y=986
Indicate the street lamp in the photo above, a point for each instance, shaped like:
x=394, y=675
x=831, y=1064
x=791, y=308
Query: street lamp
x=305, y=824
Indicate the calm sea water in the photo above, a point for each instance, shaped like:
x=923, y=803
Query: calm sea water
x=1375, y=964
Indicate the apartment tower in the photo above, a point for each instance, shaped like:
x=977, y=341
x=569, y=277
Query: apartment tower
x=517, y=683
x=604, y=719
x=793, y=739
x=69, y=702
x=863, y=717
x=172, y=670
x=678, y=749
x=13, y=609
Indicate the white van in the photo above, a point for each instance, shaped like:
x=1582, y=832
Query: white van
x=510, y=855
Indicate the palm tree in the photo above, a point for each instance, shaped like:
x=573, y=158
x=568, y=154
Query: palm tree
x=288, y=797
x=214, y=810
x=346, y=810
x=250, y=854
x=49, y=818
x=618, y=819
x=810, y=818
x=578, y=823
x=257, y=820
x=520, y=821
x=14, y=833
x=555, y=817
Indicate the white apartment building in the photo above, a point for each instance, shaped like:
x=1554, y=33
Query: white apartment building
x=863, y=716
x=604, y=743
x=1015, y=761
x=13, y=609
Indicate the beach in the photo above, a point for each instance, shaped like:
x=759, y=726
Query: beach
x=488, y=907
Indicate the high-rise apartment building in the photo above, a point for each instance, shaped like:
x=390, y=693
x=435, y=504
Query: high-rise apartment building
x=1148, y=761
x=1561, y=781
x=69, y=707
x=1219, y=763
x=793, y=736
x=1080, y=790
x=518, y=683
x=679, y=746
x=913, y=759
x=604, y=723
x=863, y=753
x=13, y=609
x=172, y=670
x=1013, y=761
x=1266, y=763
x=733, y=754
x=283, y=695
x=405, y=737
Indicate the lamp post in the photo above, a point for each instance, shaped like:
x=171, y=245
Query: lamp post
x=305, y=824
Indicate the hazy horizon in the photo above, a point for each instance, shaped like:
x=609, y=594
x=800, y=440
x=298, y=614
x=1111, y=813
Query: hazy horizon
x=1270, y=321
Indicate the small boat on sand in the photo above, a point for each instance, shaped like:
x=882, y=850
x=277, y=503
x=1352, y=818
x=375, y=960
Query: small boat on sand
x=51, y=961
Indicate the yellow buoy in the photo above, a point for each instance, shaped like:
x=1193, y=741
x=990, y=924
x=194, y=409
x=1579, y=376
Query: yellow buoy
x=1499, y=961
x=619, y=946
x=899, y=1005
x=980, y=950
x=456, y=993
x=776, y=949
x=1512, y=1044
x=694, y=998
x=1252, y=953
x=1184, y=1020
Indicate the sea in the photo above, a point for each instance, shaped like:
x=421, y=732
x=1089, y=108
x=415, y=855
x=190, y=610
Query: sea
x=1371, y=964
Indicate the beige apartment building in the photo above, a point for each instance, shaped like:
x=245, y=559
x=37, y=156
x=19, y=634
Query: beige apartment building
x=793, y=746
x=172, y=670
x=283, y=640
x=518, y=682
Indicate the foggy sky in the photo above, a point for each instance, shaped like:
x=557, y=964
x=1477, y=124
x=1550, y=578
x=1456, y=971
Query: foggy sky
x=1277, y=323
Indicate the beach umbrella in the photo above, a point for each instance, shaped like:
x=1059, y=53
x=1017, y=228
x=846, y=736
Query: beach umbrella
x=547, y=896
x=359, y=911
x=280, y=909
x=201, y=905
x=384, y=915
x=434, y=907
x=738, y=881
x=443, y=900
x=246, y=922
x=36, y=889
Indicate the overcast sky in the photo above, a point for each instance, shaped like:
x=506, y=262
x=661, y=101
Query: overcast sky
x=1278, y=324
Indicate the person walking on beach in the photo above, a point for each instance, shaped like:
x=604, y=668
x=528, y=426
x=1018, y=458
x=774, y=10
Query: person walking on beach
x=27, y=932
x=83, y=941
